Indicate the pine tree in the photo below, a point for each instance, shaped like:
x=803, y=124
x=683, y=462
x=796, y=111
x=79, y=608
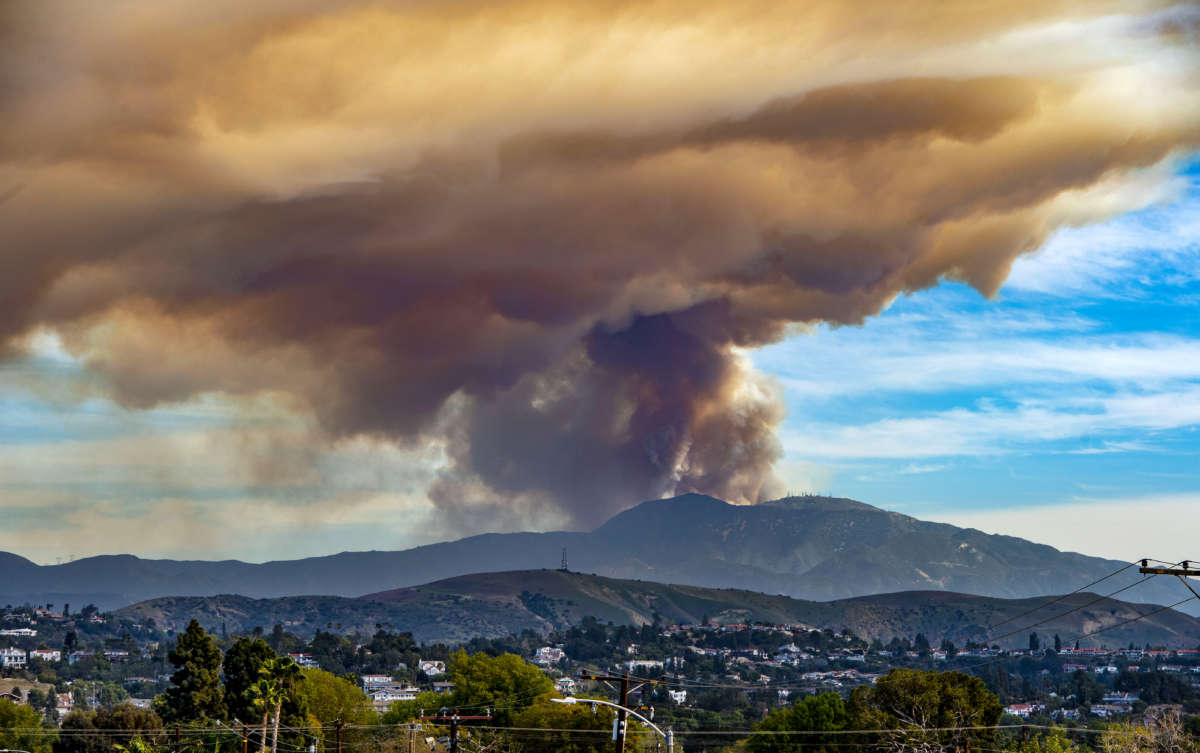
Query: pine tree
x=195, y=694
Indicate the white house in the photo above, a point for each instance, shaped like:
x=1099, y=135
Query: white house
x=565, y=685
x=383, y=698
x=547, y=655
x=46, y=654
x=12, y=657
x=19, y=632
x=305, y=660
x=636, y=664
x=371, y=682
x=678, y=696
x=433, y=667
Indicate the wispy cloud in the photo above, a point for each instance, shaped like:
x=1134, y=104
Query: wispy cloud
x=989, y=429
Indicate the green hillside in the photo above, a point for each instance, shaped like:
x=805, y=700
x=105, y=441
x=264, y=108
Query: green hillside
x=498, y=604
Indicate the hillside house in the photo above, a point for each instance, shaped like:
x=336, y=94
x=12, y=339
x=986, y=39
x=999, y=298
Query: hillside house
x=443, y=687
x=548, y=655
x=13, y=658
x=304, y=660
x=678, y=696
x=383, y=698
x=565, y=686
x=19, y=632
x=643, y=664
x=433, y=668
x=46, y=654
x=373, y=682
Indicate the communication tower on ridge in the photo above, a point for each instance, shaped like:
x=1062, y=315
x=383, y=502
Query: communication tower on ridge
x=563, y=566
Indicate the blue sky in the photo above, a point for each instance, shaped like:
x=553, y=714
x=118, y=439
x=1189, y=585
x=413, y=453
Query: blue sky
x=1066, y=410
x=1070, y=401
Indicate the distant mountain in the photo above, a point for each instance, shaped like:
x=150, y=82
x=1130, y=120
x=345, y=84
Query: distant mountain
x=805, y=547
x=498, y=604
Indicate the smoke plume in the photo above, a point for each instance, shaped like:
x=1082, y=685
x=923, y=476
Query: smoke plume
x=542, y=234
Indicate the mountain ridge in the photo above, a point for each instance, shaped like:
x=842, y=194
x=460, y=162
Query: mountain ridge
x=816, y=548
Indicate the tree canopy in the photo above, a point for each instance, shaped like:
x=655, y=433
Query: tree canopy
x=196, y=694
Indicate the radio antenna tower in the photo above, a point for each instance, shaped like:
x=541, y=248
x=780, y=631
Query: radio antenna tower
x=563, y=567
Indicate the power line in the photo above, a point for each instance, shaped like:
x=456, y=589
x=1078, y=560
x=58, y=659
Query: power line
x=990, y=628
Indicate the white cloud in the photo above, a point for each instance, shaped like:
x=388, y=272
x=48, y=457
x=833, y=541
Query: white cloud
x=990, y=430
x=1114, y=257
x=1158, y=526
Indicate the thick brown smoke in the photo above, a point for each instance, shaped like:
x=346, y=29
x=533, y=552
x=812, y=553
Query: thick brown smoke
x=540, y=233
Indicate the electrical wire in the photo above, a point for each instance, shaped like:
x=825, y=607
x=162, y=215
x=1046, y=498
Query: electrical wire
x=990, y=628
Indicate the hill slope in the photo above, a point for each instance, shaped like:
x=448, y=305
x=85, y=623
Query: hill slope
x=806, y=547
x=497, y=604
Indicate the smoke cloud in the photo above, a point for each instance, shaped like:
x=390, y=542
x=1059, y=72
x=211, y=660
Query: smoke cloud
x=542, y=235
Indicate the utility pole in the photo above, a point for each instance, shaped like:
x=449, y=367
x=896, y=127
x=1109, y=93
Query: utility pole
x=245, y=739
x=622, y=715
x=337, y=725
x=454, y=719
x=1183, y=573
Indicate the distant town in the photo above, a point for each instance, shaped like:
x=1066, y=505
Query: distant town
x=62, y=664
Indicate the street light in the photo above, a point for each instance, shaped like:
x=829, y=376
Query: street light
x=669, y=736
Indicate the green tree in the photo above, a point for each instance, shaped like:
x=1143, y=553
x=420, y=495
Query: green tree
x=124, y=722
x=329, y=698
x=243, y=668
x=18, y=728
x=1034, y=642
x=912, y=704
x=195, y=694
x=1053, y=742
x=559, y=717
x=506, y=683
x=815, y=713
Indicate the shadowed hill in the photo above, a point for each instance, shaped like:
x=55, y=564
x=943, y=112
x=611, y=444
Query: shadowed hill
x=497, y=604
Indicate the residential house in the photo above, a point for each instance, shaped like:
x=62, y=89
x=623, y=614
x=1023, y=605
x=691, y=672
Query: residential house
x=433, y=668
x=678, y=696
x=373, y=682
x=383, y=698
x=305, y=660
x=116, y=655
x=46, y=654
x=548, y=655
x=1024, y=710
x=13, y=658
x=19, y=632
x=641, y=664
x=565, y=686
x=443, y=687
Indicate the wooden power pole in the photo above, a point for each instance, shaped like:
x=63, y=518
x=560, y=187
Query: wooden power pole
x=1183, y=572
x=454, y=719
x=622, y=721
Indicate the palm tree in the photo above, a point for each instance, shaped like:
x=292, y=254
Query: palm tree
x=267, y=696
x=277, y=677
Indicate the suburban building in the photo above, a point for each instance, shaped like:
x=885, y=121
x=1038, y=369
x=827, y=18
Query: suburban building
x=432, y=667
x=46, y=654
x=12, y=658
x=372, y=682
